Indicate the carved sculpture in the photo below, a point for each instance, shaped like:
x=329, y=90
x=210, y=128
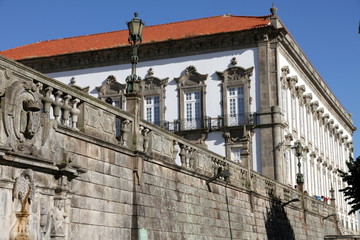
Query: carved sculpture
x=58, y=219
x=24, y=191
x=125, y=131
x=73, y=84
x=22, y=115
x=44, y=219
x=145, y=133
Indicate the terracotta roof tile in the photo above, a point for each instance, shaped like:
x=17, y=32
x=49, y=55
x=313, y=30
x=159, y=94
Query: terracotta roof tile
x=156, y=33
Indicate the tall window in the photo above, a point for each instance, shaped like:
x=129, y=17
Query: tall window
x=301, y=116
x=152, y=109
x=235, y=154
x=293, y=112
x=236, y=106
x=308, y=125
x=284, y=103
x=192, y=110
x=288, y=167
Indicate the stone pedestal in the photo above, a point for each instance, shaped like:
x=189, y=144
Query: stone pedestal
x=133, y=103
x=20, y=230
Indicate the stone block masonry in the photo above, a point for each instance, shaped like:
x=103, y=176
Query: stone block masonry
x=66, y=173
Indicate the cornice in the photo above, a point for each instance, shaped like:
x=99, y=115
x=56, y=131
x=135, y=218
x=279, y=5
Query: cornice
x=291, y=48
x=149, y=51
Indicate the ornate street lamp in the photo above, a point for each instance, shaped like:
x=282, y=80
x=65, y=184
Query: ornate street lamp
x=299, y=176
x=135, y=27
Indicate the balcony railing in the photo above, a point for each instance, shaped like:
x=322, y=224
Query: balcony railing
x=209, y=123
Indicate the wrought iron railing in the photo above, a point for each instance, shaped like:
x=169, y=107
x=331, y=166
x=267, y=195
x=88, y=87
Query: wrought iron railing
x=209, y=123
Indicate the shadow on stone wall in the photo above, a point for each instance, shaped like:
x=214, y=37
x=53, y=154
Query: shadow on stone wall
x=277, y=224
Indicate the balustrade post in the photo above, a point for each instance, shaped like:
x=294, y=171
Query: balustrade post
x=75, y=112
x=65, y=110
x=57, y=105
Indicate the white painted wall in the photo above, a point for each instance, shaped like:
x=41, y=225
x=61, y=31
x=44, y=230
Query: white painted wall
x=215, y=142
x=323, y=182
x=172, y=68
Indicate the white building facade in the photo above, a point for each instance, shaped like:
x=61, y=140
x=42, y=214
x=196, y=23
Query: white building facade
x=248, y=95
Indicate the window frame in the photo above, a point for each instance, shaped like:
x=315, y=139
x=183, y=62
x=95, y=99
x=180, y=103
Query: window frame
x=153, y=86
x=191, y=81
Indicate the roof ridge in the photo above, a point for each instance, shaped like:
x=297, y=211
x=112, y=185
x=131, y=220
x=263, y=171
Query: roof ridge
x=224, y=15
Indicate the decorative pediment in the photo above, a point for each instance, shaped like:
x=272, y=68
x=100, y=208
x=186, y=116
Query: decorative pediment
x=314, y=105
x=110, y=87
x=325, y=118
x=307, y=98
x=236, y=73
x=288, y=139
x=292, y=81
x=320, y=113
x=300, y=91
x=191, y=77
x=284, y=72
x=152, y=83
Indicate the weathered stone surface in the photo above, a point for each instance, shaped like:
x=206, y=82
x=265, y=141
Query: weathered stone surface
x=89, y=185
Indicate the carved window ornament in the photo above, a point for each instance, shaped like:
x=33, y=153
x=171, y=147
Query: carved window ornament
x=320, y=113
x=307, y=101
x=299, y=93
x=325, y=119
x=238, y=139
x=292, y=81
x=314, y=106
x=191, y=81
x=112, y=92
x=283, y=79
x=152, y=86
x=235, y=76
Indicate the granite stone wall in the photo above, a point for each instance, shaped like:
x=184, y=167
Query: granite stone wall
x=74, y=167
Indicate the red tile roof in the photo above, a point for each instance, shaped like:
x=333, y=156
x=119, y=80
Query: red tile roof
x=156, y=33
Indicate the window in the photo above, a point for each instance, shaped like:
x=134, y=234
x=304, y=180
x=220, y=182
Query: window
x=284, y=103
x=112, y=92
x=235, y=154
x=235, y=91
x=153, y=104
x=236, y=106
x=288, y=167
x=152, y=109
x=302, y=123
x=308, y=125
x=192, y=113
x=293, y=112
x=192, y=110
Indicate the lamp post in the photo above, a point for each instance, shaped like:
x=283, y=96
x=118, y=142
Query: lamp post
x=135, y=27
x=299, y=176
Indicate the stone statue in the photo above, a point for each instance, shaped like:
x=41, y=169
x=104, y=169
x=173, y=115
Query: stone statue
x=58, y=217
x=24, y=189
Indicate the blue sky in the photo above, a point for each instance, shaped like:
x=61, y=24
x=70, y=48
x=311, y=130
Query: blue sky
x=326, y=30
